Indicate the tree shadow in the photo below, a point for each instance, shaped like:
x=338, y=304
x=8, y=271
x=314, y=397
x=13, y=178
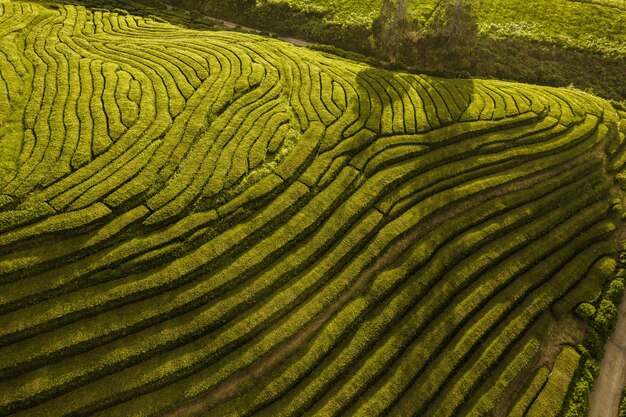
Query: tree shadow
x=419, y=102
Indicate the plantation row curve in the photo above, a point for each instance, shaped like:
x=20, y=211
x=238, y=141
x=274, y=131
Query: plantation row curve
x=216, y=223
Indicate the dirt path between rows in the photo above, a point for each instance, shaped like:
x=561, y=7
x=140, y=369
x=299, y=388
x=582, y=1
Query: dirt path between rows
x=607, y=391
x=561, y=331
x=294, y=41
x=246, y=378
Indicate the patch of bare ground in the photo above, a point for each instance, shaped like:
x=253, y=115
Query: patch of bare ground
x=561, y=331
x=248, y=377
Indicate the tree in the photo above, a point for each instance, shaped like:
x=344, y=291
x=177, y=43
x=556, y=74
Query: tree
x=450, y=31
x=605, y=317
x=454, y=22
x=390, y=29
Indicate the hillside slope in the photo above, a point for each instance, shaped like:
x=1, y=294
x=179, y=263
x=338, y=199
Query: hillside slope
x=547, y=42
x=214, y=223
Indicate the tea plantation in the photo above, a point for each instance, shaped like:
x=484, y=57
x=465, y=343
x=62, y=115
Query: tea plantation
x=223, y=224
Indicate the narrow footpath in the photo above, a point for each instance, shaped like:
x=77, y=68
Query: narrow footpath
x=232, y=25
x=295, y=41
x=607, y=391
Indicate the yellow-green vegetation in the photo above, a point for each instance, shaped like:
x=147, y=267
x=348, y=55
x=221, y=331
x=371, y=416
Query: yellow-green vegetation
x=620, y=4
x=571, y=24
x=550, y=400
x=216, y=223
x=531, y=392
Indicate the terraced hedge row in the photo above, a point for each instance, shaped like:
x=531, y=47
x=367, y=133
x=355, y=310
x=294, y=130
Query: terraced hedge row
x=213, y=223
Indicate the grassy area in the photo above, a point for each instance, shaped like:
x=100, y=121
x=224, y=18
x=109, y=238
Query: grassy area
x=211, y=222
x=568, y=24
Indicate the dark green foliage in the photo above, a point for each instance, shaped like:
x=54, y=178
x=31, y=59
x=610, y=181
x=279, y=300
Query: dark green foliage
x=454, y=24
x=602, y=318
x=390, y=29
x=586, y=311
x=615, y=291
x=580, y=389
x=605, y=318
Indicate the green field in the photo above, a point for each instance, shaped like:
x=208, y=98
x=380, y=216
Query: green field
x=561, y=22
x=223, y=224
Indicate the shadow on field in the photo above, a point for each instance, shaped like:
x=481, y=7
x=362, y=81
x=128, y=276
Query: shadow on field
x=437, y=96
